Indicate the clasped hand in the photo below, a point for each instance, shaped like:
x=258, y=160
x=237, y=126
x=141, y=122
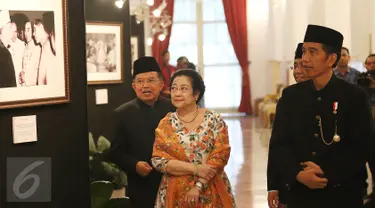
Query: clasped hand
x=206, y=172
x=143, y=168
x=310, y=176
x=192, y=197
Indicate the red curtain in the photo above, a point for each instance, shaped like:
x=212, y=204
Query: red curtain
x=235, y=14
x=159, y=46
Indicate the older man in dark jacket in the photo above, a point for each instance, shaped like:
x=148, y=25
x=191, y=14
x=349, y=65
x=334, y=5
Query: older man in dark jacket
x=7, y=74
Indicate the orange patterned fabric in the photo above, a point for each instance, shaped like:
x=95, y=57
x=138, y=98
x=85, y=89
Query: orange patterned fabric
x=214, y=141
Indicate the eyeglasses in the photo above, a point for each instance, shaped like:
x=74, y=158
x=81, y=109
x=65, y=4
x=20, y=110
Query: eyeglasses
x=183, y=89
x=149, y=81
x=295, y=66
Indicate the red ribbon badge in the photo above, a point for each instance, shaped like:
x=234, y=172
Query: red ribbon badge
x=335, y=107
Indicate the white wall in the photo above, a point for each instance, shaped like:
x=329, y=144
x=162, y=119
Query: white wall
x=361, y=29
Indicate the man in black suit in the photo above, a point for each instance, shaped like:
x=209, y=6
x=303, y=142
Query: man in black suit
x=7, y=74
x=278, y=192
x=137, y=120
x=322, y=130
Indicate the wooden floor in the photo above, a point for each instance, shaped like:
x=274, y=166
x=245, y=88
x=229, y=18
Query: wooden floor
x=248, y=161
x=247, y=165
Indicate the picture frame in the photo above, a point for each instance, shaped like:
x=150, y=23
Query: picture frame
x=35, y=65
x=104, y=53
x=134, y=54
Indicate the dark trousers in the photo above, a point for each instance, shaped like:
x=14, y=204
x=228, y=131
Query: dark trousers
x=141, y=203
x=142, y=191
x=326, y=203
x=345, y=196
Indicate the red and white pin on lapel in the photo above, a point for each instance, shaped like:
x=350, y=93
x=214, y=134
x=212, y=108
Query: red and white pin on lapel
x=335, y=107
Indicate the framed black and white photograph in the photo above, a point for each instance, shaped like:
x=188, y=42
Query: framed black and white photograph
x=133, y=50
x=34, y=62
x=104, y=52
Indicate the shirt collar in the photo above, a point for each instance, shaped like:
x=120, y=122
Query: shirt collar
x=328, y=86
x=144, y=105
x=348, y=70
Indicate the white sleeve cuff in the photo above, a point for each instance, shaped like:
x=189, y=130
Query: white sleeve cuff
x=273, y=191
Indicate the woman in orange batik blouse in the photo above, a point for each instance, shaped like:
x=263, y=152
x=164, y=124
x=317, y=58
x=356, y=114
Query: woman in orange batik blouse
x=191, y=149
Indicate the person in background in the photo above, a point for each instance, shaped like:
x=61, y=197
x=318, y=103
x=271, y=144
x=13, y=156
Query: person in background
x=192, y=66
x=17, y=48
x=167, y=70
x=192, y=149
x=7, y=73
x=20, y=20
x=31, y=58
x=277, y=192
x=368, y=83
x=182, y=63
x=42, y=34
x=17, y=45
x=299, y=73
x=136, y=122
x=343, y=70
x=370, y=62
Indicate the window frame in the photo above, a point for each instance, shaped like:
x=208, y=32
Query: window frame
x=200, y=49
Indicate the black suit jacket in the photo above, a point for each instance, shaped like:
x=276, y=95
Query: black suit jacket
x=134, y=141
x=7, y=74
x=275, y=182
x=371, y=159
x=296, y=138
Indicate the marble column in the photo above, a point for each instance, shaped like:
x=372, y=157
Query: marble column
x=276, y=29
x=257, y=18
x=298, y=19
x=372, y=25
x=338, y=16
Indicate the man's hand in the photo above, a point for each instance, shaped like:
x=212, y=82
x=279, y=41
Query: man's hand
x=310, y=176
x=143, y=168
x=21, y=78
x=310, y=165
x=273, y=199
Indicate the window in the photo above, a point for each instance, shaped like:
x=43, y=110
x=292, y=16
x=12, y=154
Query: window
x=201, y=34
x=183, y=42
x=359, y=65
x=217, y=46
x=184, y=37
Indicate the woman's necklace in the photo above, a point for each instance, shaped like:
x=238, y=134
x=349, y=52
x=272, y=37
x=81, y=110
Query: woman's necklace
x=196, y=114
